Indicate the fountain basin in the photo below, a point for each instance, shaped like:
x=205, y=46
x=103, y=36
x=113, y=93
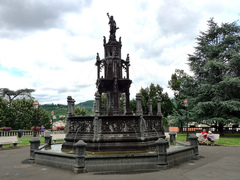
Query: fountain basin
x=138, y=160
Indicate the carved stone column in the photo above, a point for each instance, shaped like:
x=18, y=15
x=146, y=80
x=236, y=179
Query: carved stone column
x=71, y=102
x=124, y=106
x=150, y=113
x=159, y=111
x=127, y=96
x=97, y=128
x=139, y=104
x=97, y=104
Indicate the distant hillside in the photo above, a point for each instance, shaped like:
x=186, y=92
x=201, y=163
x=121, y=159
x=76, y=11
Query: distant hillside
x=60, y=109
x=88, y=105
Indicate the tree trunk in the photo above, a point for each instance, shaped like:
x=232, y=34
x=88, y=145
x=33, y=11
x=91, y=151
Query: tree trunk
x=220, y=129
x=181, y=127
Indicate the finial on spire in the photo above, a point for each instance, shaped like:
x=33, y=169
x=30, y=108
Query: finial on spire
x=127, y=59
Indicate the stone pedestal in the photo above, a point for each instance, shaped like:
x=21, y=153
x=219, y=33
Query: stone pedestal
x=172, y=136
x=34, y=145
x=193, y=139
x=162, y=153
x=48, y=139
x=80, y=147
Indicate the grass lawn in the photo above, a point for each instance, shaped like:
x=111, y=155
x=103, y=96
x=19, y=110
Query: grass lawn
x=227, y=140
x=25, y=141
x=181, y=137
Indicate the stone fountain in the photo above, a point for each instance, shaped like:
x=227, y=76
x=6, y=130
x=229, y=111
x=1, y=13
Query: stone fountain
x=118, y=140
x=115, y=130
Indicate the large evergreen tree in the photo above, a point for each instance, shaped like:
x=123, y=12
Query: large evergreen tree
x=214, y=88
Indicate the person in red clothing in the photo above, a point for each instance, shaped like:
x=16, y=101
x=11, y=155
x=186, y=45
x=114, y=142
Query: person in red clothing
x=203, y=136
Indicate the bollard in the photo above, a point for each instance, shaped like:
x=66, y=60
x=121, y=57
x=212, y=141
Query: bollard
x=48, y=139
x=172, y=135
x=80, y=147
x=34, y=145
x=193, y=139
x=162, y=153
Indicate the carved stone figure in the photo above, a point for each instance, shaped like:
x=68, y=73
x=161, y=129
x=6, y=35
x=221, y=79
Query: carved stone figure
x=113, y=26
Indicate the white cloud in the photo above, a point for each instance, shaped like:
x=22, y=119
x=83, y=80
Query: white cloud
x=54, y=49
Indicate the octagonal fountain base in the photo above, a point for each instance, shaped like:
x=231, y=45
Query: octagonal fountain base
x=111, y=133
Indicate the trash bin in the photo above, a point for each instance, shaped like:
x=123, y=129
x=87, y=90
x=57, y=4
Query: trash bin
x=19, y=133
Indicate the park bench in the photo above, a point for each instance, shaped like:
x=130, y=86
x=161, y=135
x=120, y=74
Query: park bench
x=9, y=140
x=215, y=137
x=167, y=135
x=56, y=137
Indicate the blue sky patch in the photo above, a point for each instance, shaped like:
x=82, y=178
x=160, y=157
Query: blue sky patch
x=13, y=71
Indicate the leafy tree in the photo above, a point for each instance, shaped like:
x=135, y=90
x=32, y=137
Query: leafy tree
x=177, y=82
x=22, y=115
x=43, y=117
x=133, y=105
x=4, y=117
x=11, y=94
x=153, y=92
x=79, y=111
x=104, y=104
x=214, y=89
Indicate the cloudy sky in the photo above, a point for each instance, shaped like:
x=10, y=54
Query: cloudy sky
x=51, y=45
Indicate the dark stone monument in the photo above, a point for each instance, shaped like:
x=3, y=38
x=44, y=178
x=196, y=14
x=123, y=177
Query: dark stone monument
x=115, y=131
x=118, y=130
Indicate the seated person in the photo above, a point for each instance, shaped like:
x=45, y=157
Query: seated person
x=203, y=136
x=209, y=136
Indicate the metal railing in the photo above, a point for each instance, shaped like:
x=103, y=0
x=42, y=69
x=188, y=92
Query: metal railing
x=25, y=133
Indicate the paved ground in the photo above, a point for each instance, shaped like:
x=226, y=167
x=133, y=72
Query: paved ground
x=216, y=162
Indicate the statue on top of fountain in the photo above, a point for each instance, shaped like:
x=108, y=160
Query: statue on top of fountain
x=113, y=27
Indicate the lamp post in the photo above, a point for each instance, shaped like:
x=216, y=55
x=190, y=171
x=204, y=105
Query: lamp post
x=35, y=106
x=52, y=113
x=186, y=105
